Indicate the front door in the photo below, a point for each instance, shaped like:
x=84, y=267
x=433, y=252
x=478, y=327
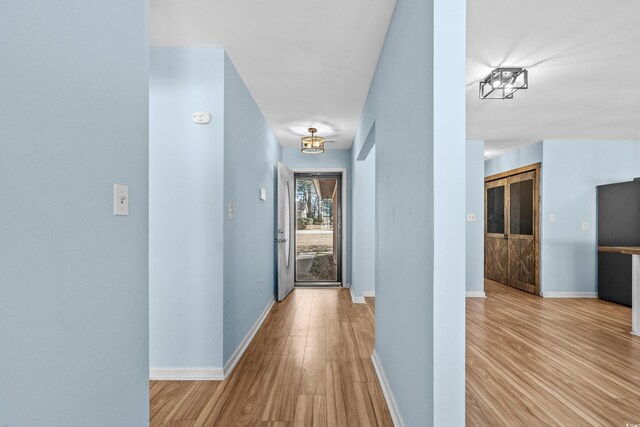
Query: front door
x=286, y=230
x=318, y=229
x=511, y=230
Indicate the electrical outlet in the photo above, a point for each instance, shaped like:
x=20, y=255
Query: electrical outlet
x=471, y=217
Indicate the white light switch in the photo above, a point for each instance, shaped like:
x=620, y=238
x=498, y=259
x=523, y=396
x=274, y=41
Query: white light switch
x=585, y=225
x=552, y=217
x=120, y=199
x=231, y=211
x=263, y=194
x=471, y=217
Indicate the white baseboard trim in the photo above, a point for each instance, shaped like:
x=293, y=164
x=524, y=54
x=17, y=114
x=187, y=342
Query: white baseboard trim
x=386, y=391
x=355, y=299
x=186, y=374
x=210, y=373
x=570, y=295
x=475, y=294
x=235, y=357
x=369, y=294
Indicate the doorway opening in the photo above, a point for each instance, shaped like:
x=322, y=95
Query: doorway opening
x=318, y=236
x=512, y=228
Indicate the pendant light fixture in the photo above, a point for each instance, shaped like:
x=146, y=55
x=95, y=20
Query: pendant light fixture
x=312, y=144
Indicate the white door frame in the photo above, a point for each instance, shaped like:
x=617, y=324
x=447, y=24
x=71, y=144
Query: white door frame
x=344, y=208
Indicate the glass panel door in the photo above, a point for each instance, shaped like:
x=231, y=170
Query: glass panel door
x=318, y=231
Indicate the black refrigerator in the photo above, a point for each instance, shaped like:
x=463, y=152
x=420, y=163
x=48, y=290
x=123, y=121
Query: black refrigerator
x=618, y=225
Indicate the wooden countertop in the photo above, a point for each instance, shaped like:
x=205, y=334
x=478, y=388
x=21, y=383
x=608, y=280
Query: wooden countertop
x=627, y=250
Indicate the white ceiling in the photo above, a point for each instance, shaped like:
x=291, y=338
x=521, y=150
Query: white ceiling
x=583, y=58
x=306, y=63
x=310, y=63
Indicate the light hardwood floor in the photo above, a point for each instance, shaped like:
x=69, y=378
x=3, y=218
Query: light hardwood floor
x=308, y=365
x=532, y=361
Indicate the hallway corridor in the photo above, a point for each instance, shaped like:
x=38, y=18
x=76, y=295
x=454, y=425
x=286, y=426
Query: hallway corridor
x=308, y=365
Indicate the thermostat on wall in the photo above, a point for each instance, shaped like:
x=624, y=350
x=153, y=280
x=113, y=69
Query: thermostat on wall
x=201, y=118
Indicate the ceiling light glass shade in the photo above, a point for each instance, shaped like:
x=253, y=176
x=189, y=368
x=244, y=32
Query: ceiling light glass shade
x=502, y=83
x=312, y=144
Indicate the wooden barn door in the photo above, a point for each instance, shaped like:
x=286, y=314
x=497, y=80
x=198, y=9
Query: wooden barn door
x=512, y=206
x=495, y=237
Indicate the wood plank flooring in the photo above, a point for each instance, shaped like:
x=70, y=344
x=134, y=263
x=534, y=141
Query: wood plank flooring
x=308, y=365
x=532, y=361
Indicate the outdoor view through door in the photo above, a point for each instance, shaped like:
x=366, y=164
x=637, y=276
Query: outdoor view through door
x=318, y=228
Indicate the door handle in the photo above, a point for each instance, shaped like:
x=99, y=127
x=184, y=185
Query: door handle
x=279, y=240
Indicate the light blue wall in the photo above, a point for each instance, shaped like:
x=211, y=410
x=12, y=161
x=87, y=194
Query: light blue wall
x=572, y=170
x=186, y=208
x=449, y=108
x=420, y=187
x=251, y=154
x=364, y=224
x=475, y=205
x=73, y=277
x=330, y=159
x=513, y=159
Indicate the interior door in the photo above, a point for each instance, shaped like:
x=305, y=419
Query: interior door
x=495, y=228
x=286, y=230
x=520, y=237
x=511, y=230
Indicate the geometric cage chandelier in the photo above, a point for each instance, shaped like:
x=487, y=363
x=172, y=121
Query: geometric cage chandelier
x=502, y=83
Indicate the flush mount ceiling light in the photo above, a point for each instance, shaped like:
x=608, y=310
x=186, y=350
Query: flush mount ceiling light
x=312, y=144
x=501, y=83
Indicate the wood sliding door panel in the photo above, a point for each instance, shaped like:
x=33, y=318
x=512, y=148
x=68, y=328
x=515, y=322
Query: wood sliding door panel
x=496, y=224
x=496, y=259
x=521, y=265
x=511, y=229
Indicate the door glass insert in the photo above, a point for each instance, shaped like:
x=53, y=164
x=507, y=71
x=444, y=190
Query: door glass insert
x=495, y=210
x=521, y=207
x=317, y=227
x=287, y=225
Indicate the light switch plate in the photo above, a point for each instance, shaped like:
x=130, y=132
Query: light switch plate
x=585, y=225
x=263, y=194
x=231, y=211
x=120, y=199
x=471, y=217
x=552, y=217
